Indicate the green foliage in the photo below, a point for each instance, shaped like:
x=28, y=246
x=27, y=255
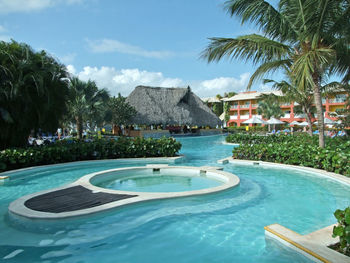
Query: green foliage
x=85, y=103
x=295, y=150
x=227, y=111
x=342, y=230
x=33, y=90
x=218, y=108
x=76, y=150
x=269, y=106
x=122, y=112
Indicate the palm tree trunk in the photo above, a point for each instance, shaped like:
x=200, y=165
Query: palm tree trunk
x=308, y=119
x=319, y=110
x=79, y=122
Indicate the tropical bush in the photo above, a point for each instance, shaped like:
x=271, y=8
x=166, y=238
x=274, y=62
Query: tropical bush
x=296, y=150
x=342, y=230
x=75, y=150
x=33, y=90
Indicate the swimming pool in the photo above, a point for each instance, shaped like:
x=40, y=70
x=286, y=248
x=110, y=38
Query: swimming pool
x=221, y=227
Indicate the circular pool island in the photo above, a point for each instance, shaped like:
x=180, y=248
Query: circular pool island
x=100, y=191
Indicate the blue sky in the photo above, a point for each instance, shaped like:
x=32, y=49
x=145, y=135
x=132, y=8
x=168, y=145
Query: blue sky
x=124, y=43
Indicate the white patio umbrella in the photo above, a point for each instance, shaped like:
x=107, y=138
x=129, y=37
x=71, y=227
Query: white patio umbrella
x=273, y=120
x=294, y=123
x=255, y=120
x=304, y=123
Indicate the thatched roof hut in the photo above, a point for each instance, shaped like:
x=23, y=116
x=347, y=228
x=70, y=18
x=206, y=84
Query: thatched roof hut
x=170, y=106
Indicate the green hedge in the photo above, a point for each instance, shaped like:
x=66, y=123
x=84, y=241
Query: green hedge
x=69, y=151
x=296, y=150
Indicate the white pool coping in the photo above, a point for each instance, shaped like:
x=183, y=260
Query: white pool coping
x=175, y=159
x=228, y=180
x=313, y=245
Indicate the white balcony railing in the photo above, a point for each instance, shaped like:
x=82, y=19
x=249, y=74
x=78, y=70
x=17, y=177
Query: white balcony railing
x=244, y=117
x=337, y=100
x=234, y=107
x=301, y=116
x=233, y=117
x=255, y=105
x=285, y=104
x=245, y=106
x=286, y=115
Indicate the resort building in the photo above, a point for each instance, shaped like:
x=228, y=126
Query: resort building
x=243, y=106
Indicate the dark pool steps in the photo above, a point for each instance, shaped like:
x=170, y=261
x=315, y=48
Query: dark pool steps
x=72, y=199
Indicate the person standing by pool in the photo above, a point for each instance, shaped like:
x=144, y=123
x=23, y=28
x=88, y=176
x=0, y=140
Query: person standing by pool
x=59, y=133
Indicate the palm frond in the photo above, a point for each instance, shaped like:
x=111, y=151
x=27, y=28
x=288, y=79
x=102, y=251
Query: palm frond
x=268, y=67
x=262, y=14
x=256, y=48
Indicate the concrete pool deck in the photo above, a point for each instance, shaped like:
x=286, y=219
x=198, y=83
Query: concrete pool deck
x=313, y=245
x=54, y=204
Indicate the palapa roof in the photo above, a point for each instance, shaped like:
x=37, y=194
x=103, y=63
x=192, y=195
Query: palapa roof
x=171, y=106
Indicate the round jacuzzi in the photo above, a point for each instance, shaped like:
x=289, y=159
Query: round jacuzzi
x=108, y=189
x=158, y=180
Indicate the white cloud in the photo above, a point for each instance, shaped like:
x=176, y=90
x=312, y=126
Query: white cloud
x=2, y=29
x=71, y=69
x=125, y=80
x=111, y=45
x=5, y=38
x=221, y=85
x=18, y=6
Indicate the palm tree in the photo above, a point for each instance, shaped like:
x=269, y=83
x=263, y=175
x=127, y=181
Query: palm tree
x=269, y=106
x=292, y=92
x=310, y=37
x=84, y=102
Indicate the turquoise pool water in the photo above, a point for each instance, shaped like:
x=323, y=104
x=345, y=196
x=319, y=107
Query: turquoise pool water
x=138, y=182
x=221, y=227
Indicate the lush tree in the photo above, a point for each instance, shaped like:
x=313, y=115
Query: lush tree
x=85, y=103
x=218, y=108
x=33, y=89
x=269, y=106
x=310, y=37
x=229, y=94
x=121, y=111
x=227, y=111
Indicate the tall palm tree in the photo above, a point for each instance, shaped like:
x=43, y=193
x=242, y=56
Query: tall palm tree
x=84, y=102
x=310, y=37
x=292, y=93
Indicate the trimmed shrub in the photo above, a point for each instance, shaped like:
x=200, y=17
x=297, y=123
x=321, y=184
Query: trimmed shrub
x=296, y=150
x=74, y=150
x=342, y=230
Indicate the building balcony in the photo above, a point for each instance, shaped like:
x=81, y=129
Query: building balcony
x=244, y=117
x=255, y=105
x=300, y=116
x=233, y=117
x=233, y=107
x=287, y=116
x=287, y=104
x=245, y=106
x=337, y=100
